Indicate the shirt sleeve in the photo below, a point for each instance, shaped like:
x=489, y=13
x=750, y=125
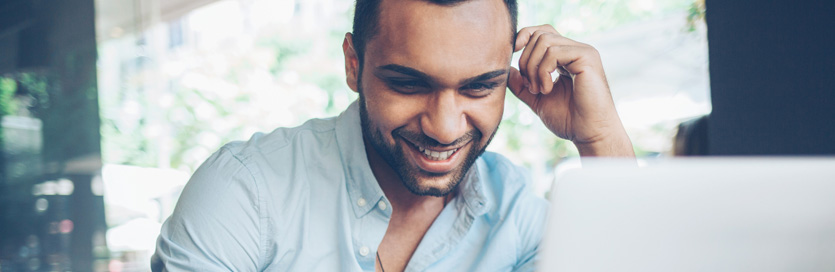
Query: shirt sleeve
x=216, y=223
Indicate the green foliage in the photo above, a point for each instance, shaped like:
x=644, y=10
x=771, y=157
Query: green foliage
x=28, y=84
x=8, y=87
x=284, y=49
x=36, y=86
x=595, y=16
x=125, y=146
x=695, y=14
x=312, y=61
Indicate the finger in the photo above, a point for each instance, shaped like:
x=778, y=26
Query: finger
x=522, y=38
x=573, y=58
x=525, y=57
x=539, y=79
x=546, y=83
x=517, y=85
x=530, y=60
x=525, y=34
x=526, y=39
x=547, y=67
x=549, y=64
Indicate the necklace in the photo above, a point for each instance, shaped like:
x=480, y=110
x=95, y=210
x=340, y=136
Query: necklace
x=380, y=261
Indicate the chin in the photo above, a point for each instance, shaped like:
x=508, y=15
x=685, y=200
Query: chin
x=432, y=186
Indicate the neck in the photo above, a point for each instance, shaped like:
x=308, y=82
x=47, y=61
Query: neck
x=402, y=200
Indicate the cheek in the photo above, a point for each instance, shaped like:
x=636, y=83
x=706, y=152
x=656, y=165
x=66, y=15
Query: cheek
x=485, y=115
x=387, y=110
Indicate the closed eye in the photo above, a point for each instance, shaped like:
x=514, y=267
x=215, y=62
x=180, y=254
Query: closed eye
x=480, y=88
x=407, y=86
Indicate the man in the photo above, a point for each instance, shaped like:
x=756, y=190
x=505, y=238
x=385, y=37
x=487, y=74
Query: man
x=400, y=180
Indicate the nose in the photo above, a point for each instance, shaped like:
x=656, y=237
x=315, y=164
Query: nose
x=444, y=119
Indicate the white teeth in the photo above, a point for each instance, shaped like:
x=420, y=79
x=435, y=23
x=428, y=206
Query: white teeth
x=435, y=155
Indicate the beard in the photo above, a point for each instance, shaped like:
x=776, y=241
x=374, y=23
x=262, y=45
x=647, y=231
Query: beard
x=410, y=175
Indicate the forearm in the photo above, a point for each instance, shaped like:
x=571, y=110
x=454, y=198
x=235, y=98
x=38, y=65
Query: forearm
x=618, y=145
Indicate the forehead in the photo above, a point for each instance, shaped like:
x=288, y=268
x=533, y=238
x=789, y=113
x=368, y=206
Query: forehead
x=462, y=40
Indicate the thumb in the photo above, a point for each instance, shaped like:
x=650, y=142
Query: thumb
x=519, y=86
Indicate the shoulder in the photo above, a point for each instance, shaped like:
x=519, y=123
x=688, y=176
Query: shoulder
x=215, y=225
x=283, y=139
x=256, y=164
x=235, y=200
x=278, y=158
x=285, y=163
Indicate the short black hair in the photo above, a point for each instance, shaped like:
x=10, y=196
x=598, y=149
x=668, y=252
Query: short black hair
x=366, y=17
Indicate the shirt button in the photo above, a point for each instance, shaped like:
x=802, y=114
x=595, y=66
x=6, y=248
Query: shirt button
x=364, y=251
x=382, y=205
x=361, y=202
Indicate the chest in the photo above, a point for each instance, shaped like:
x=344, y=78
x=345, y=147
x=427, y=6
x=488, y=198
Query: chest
x=400, y=242
x=338, y=238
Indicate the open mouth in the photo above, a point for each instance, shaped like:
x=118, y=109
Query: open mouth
x=436, y=155
x=436, y=159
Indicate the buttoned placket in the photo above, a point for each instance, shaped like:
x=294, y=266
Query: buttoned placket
x=441, y=238
x=371, y=228
x=369, y=224
x=373, y=211
x=371, y=221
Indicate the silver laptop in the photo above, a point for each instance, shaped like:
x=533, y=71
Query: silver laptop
x=714, y=214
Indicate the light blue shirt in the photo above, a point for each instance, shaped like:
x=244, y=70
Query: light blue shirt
x=305, y=199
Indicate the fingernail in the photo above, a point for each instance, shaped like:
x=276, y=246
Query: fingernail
x=527, y=87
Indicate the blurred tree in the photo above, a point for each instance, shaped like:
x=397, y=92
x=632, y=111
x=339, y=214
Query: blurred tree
x=289, y=71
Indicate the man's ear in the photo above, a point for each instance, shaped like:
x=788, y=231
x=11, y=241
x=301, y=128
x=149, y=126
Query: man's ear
x=351, y=62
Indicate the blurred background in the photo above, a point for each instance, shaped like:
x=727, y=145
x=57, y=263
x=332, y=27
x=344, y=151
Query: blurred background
x=108, y=106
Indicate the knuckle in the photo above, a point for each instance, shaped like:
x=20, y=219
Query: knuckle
x=544, y=74
x=550, y=27
x=532, y=67
x=554, y=38
x=593, y=51
x=586, y=46
x=551, y=51
x=523, y=64
x=534, y=35
x=539, y=32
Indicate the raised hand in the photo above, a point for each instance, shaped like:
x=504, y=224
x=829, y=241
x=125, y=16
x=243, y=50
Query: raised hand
x=578, y=105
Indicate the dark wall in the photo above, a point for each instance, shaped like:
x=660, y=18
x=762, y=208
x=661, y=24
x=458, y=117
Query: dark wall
x=772, y=73
x=55, y=42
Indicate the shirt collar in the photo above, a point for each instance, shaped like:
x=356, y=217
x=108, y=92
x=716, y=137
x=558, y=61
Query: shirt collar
x=362, y=186
x=472, y=190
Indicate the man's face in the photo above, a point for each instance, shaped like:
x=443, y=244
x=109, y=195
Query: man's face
x=432, y=88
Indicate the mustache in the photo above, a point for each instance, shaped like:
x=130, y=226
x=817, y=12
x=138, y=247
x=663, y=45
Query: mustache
x=428, y=142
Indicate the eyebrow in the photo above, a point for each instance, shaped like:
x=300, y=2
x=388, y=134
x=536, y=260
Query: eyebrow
x=423, y=76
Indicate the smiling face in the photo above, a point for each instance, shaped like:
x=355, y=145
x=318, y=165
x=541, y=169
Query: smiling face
x=432, y=88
